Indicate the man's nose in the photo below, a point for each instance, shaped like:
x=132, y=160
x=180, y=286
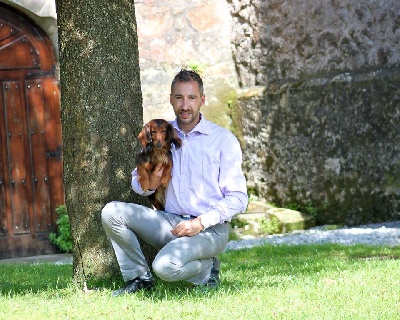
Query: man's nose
x=185, y=103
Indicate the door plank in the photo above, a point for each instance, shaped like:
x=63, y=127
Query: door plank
x=38, y=137
x=3, y=167
x=17, y=135
x=51, y=96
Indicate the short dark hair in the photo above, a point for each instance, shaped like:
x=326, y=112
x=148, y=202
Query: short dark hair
x=188, y=75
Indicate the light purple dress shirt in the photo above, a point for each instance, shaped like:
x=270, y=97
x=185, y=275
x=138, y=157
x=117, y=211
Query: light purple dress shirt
x=207, y=177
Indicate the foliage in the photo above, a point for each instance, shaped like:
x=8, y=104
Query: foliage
x=252, y=196
x=237, y=223
x=305, y=208
x=62, y=239
x=196, y=67
x=271, y=226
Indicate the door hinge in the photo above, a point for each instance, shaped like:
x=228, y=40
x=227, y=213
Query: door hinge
x=3, y=231
x=55, y=154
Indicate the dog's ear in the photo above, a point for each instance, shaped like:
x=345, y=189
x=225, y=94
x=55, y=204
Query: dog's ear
x=173, y=137
x=145, y=136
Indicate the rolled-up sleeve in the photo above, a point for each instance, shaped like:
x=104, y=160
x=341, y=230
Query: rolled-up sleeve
x=136, y=185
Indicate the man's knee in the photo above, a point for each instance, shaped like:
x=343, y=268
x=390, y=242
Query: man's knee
x=166, y=269
x=107, y=213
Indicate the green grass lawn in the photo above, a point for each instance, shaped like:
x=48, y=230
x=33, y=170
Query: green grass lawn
x=267, y=282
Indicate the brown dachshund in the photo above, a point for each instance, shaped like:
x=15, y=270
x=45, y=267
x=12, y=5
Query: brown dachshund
x=156, y=137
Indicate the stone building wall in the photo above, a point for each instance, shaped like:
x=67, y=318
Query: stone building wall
x=321, y=129
x=318, y=86
x=283, y=40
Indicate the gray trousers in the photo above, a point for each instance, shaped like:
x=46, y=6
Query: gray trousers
x=178, y=258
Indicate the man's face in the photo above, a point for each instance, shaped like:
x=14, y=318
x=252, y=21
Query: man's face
x=186, y=100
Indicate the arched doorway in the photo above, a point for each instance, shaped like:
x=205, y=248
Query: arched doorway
x=31, y=185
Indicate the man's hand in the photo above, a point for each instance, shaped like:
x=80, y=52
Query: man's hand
x=155, y=176
x=188, y=228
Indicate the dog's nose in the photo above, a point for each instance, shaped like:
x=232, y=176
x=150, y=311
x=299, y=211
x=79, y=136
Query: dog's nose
x=158, y=144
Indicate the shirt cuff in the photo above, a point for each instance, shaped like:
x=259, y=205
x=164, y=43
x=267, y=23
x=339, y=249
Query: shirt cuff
x=210, y=218
x=138, y=189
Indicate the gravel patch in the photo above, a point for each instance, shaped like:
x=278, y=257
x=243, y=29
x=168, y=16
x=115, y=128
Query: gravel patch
x=387, y=233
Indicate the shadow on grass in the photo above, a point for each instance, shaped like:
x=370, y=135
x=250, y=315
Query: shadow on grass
x=260, y=266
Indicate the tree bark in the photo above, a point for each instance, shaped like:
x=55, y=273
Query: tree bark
x=101, y=113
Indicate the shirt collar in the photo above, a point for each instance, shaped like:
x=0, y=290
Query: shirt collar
x=202, y=127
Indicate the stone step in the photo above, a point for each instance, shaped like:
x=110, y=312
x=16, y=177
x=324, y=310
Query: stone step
x=262, y=219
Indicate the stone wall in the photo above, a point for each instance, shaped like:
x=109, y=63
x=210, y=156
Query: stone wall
x=283, y=40
x=318, y=108
x=322, y=131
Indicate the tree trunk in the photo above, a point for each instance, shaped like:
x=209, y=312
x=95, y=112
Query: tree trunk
x=101, y=112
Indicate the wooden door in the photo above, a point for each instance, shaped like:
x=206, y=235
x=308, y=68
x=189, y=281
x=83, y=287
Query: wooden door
x=30, y=138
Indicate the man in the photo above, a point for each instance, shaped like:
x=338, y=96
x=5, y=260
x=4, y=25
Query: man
x=206, y=190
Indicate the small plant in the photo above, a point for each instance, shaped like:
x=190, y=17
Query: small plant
x=253, y=197
x=238, y=223
x=62, y=238
x=271, y=226
x=196, y=67
x=305, y=208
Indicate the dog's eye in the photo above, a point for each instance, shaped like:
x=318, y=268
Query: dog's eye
x=153, y=132
x=163, y=130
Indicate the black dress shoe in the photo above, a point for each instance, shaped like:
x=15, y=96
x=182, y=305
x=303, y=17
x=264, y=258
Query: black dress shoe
x=145, y=281
x=214, y=279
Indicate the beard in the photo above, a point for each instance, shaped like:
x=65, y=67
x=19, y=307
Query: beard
x=187, y=118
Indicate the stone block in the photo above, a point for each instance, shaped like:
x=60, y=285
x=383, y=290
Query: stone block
x=291, y=219
x=271, y=220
